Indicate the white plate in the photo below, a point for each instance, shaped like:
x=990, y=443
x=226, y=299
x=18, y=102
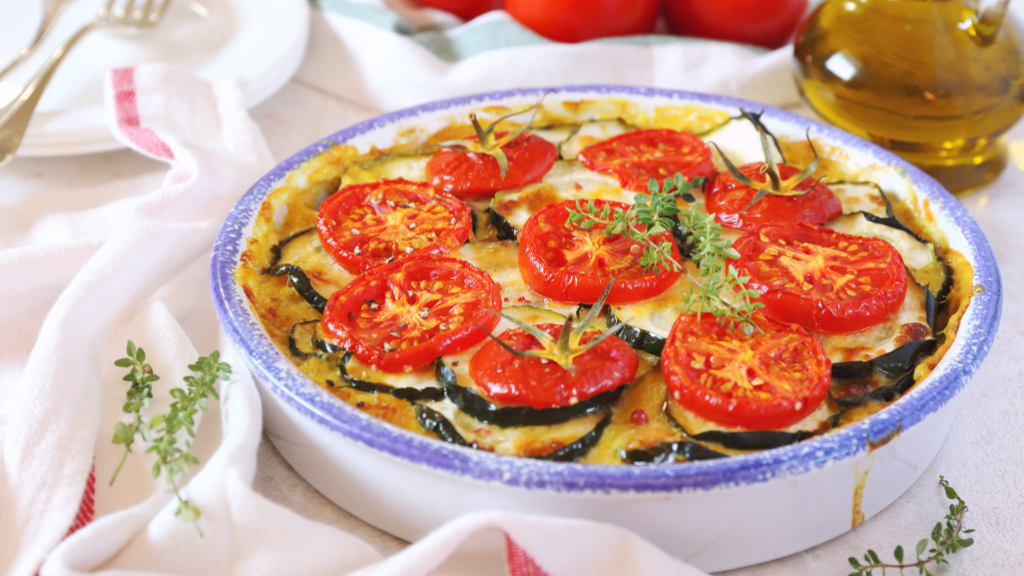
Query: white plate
x=260, y=41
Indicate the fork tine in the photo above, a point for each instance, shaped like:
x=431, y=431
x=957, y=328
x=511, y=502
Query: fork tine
x=104, y=12
x=159, y=14
x=140, y=13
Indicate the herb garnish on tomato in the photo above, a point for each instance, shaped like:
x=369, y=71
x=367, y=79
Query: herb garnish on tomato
x=406, y=314
x=767, y=380
x=638, y=156
x=572, y=262
x=365, y=225
x=710, y=251
x=823, y=280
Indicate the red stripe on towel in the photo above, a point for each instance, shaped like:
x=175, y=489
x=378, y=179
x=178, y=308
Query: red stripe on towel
x=86, y=510
x=519, y=562
x=122, y=80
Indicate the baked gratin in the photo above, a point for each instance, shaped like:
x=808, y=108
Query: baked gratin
x=494, y=283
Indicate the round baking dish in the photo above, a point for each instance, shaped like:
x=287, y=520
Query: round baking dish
x=716, y=514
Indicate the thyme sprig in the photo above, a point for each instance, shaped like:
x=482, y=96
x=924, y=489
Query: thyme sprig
x=945, y=540
x=711, y=252
x=649, y=216
x=161, y=431
x=653, y=214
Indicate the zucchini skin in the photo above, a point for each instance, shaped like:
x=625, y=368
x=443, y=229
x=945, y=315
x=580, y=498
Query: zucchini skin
x=893, y=364
x=899, y=364
x=753, y=440
x=432, y=421
x=275, y=250
x=638, y=338
x=890, y=219
x=746, y=440
x=293, y=345
x=667, y=453
x=408, y=394
x=578, y=449
x=514, y=416
x=502, y=228
x=301, y=284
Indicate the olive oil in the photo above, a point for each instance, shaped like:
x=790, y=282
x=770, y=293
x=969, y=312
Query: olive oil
x=932, y=80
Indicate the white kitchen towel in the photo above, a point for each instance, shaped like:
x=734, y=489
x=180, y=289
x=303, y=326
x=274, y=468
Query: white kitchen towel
x=138, y=268
x=376, y=67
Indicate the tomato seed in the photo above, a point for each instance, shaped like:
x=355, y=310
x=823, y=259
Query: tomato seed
x=638, y=417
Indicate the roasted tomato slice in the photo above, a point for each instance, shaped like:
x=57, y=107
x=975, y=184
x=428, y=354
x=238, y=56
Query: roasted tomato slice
x=726, y=199
x=758, y=382
x=823, y=280
x=365, y=225
x=516, y=381
x=566, y=263
x=636, y=157
x=406, y=314
x=529, y=159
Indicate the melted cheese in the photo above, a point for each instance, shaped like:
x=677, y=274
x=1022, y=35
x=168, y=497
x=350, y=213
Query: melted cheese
x=591, y=133
x=859, y=197
x=919, y=257
x=739, y=141
x=567, y=180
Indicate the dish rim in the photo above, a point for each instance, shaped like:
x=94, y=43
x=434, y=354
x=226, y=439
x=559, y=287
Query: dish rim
x=974, y=338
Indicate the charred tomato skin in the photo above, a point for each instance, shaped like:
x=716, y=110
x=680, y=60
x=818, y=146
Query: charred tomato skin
x=757, y=382
x=637, y=156
x=365, y=225
x=509, y=380
x=566, y=263
x=406, y=314
x=826, y=281
x=726, y=199
x=471, y=174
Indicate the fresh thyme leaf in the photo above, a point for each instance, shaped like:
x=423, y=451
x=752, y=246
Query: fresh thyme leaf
x=653, y=214
x=648, y=216
x=161, y=431
x=945, y=536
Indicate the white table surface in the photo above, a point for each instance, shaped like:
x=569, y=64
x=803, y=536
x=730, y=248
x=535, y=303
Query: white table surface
x=982, y=457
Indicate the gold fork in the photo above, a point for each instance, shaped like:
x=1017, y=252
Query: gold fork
x=126, y=14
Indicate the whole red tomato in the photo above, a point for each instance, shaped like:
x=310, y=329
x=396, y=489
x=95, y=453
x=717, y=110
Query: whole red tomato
x=768, y=23
x=465, y=9
x=579, y=20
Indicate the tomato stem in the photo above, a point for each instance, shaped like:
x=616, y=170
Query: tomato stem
x=776, y=185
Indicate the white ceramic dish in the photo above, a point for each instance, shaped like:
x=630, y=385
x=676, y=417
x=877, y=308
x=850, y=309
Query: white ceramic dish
x=717, y=514
x=261, y=42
